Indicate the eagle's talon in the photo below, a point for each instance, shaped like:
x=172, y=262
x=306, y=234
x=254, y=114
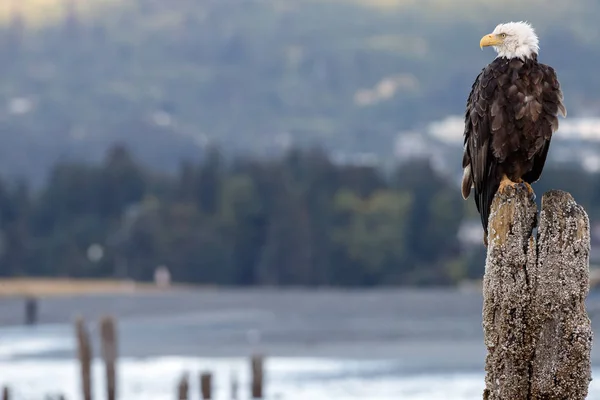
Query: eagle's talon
x=506, y=183
x=527, y=186
x=532, y=196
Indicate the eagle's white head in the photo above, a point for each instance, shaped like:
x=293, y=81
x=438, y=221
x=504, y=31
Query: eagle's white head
x=512, y=40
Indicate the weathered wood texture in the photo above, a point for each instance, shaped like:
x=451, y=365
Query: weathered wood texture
x=536, y=329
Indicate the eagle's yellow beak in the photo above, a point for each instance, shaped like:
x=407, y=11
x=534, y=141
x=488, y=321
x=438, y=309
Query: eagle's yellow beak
x=490, y=40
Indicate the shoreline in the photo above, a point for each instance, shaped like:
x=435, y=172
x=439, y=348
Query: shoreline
x=68, y=287
x=16, y=287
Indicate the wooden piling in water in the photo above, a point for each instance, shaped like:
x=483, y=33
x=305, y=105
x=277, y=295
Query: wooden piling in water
x=31, y=310
x=206, y=385
x=109, y=354
x=85, y=358
x=257, y=376
x=234, y=387
x=183, y=388
x=5, y=393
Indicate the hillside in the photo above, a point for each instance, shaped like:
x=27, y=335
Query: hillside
x=168, y=78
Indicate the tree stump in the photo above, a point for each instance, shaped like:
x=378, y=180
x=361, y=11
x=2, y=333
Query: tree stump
x=536, y=329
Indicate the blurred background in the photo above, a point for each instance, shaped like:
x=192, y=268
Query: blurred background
x=240, y=176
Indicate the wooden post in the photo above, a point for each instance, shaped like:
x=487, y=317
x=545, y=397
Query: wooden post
x=183, y=388
x=109, y=354
x=234, y=387
x=5, y=393
x=536, y=328
x=206, y=385
x=257, y=377
x=85, y=358
x=31, y=310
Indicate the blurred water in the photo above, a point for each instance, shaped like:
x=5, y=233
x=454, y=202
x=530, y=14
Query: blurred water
x=287, y=378
x=27, y=368
x=409, y=345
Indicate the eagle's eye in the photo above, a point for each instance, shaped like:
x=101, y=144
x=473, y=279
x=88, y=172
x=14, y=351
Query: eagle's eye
x=503, y=35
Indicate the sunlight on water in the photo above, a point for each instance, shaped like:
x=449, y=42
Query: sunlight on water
x=289, y=379
x=293, y=379
x=28, y=366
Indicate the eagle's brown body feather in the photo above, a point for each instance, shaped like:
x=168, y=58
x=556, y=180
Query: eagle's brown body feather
x=511, y=114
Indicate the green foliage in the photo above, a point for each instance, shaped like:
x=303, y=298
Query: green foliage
x=298, y=219
x=373, y=232
x=294, y=220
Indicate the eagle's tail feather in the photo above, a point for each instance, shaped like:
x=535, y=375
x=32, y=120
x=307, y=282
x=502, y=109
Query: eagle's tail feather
x=487, y=197
x=467, y=182
x=484, y=200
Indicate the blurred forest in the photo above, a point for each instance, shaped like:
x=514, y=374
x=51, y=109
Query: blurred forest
x=298, y=219
x=169, y=78
x=255, y=95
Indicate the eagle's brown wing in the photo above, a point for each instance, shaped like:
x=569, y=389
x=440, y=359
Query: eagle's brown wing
x=479, y=163
x=552, y=107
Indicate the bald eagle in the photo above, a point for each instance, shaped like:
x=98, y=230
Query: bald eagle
x=511, y=113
